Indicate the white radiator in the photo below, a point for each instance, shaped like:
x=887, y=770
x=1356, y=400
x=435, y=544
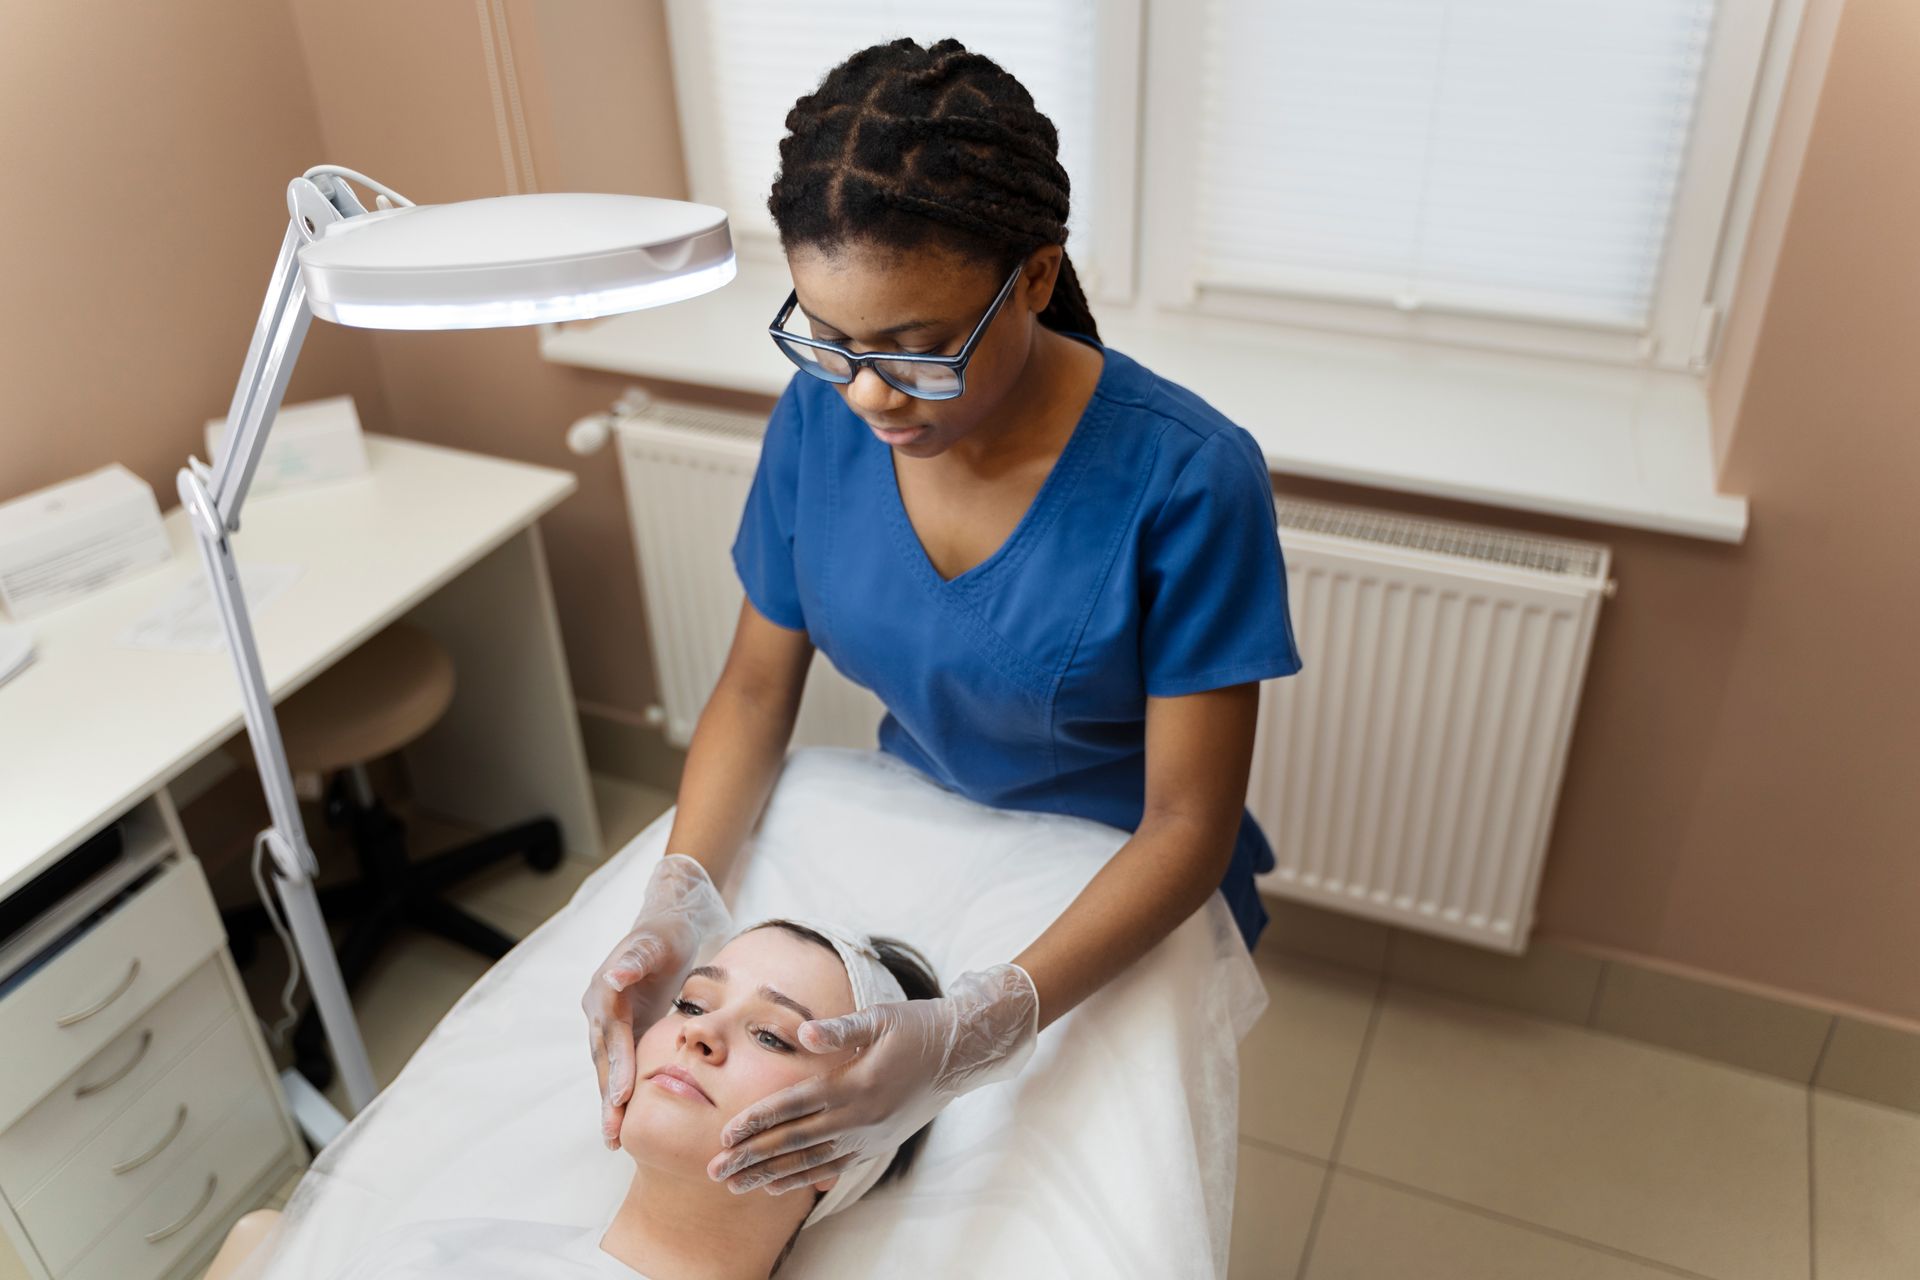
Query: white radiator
x=1408, y=774
x=687, y=470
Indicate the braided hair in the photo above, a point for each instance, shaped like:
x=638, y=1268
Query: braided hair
x=901, y=147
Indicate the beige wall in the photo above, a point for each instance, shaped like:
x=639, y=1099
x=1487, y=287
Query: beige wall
x=1739, y=796
x=145, y=151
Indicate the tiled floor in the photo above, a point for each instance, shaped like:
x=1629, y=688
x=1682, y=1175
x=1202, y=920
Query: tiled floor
x=1389, y=1133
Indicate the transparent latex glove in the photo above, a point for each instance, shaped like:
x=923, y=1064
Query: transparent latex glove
x=680, y=914
x=914, y=1058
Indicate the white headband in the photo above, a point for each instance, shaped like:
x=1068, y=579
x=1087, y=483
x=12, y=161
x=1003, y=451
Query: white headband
x=873, y=983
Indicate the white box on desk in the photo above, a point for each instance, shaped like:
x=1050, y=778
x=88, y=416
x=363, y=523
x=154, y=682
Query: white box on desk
x=308, y=443
x=64, y=542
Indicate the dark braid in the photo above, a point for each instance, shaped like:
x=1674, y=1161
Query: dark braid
x=902, y=147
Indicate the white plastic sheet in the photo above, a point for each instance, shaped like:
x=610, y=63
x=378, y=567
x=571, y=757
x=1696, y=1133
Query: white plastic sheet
x=1112, y=1155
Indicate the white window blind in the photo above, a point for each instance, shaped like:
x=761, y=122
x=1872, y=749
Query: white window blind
x=1503, y=157
x=755, y=58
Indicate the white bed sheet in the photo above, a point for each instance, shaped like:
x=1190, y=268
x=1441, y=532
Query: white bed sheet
x=1111, y=1155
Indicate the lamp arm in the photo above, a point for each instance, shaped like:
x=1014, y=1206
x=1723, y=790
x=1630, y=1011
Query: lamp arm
x=277, y=336
x=316, y=198
x=212, y=498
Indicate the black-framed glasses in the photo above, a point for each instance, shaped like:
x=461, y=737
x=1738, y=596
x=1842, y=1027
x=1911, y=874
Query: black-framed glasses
x=926, y=377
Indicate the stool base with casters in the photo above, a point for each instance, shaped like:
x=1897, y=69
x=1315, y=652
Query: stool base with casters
x=394, y=892
x=371, y=703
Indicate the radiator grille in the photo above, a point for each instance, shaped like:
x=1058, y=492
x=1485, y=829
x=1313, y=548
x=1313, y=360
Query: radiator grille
x=725, y=424
x=1583, y=560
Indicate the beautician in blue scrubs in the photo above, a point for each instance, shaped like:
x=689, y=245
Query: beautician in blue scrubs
x=1059, y=571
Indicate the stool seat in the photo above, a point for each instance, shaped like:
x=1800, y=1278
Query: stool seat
x=369, y=704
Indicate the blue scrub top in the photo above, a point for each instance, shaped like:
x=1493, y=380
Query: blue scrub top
x=1147, y=565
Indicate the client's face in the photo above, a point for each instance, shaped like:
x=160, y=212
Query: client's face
x=730, y=1040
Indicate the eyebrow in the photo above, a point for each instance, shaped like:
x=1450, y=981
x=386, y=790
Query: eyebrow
x=887, y=332
x=788, y=1001
x=717, y=974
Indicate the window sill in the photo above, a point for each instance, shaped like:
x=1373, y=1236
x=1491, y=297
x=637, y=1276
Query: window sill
x=1611, y=445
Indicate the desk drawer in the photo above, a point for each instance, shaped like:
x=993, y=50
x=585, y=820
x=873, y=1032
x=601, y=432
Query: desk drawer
x=107, y=1082
x=89, y=993
x=200, y=1194
x=145, y=1146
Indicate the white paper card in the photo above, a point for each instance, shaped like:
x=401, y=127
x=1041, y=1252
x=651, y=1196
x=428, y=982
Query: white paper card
x=72, y=539
x=310, y=443
x=188, y=622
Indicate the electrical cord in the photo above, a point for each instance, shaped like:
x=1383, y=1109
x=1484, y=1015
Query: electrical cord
x=277, y=1032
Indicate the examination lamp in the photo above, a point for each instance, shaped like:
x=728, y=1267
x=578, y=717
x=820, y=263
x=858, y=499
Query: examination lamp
x=508, y=260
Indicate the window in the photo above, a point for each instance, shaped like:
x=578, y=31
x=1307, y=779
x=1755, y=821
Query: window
x=739, y=65
x=1552, y=175
x=1555, y=176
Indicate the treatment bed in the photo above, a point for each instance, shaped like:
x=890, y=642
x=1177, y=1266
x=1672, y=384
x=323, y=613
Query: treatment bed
x=1111, y=1155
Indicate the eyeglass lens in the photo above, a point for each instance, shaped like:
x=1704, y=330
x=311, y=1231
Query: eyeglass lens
x=907, y=375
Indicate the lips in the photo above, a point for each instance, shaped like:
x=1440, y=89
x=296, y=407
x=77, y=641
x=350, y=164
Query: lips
x=677, y=1080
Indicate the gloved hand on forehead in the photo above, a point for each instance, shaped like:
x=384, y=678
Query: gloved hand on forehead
x=915, y=1056
x=680, y=916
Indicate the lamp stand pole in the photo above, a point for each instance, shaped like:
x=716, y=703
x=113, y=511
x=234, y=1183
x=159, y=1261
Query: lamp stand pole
x=213, y=497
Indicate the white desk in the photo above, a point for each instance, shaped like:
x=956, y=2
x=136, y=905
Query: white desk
x=166, y=1064
x=91, y=727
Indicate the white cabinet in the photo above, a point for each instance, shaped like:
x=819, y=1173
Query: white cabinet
x=140, y=1114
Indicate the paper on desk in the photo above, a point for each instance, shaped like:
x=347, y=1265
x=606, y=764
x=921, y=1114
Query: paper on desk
x=187, y=622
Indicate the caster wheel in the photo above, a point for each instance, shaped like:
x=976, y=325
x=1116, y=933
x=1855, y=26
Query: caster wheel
x=544, y=854
x=317, y=1068
x=243, y=947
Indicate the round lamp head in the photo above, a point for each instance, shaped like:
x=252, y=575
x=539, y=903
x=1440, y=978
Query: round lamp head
x=514, y=260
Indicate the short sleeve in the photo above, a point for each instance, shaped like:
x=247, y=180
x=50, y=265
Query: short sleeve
x=763, y=548
x=1213, y=580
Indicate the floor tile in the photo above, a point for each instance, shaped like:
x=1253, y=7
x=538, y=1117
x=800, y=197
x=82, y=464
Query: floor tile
x=516, y=899
x=11, y=1267
x=1297, y=1064
x=1371, y=1232
x=1866, y=1190
x=1661, y=1155
x=1273, y=1204
x=626, y=808
x=403, y=996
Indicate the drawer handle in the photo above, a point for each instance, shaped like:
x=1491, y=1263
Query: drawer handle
x=101, y=1086
x=206, y=1198
x=133, y=971
x=179, y=1123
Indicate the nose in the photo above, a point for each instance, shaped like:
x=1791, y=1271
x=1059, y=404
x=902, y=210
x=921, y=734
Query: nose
x=703, y=1035
x=872, y=396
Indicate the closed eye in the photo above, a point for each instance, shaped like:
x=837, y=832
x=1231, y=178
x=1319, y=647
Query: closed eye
x=898, y=350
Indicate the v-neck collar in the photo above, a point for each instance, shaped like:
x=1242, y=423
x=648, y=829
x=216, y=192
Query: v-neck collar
x=1039, y=511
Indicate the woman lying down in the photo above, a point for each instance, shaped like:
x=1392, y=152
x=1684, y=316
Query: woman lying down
x=728, y=1040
